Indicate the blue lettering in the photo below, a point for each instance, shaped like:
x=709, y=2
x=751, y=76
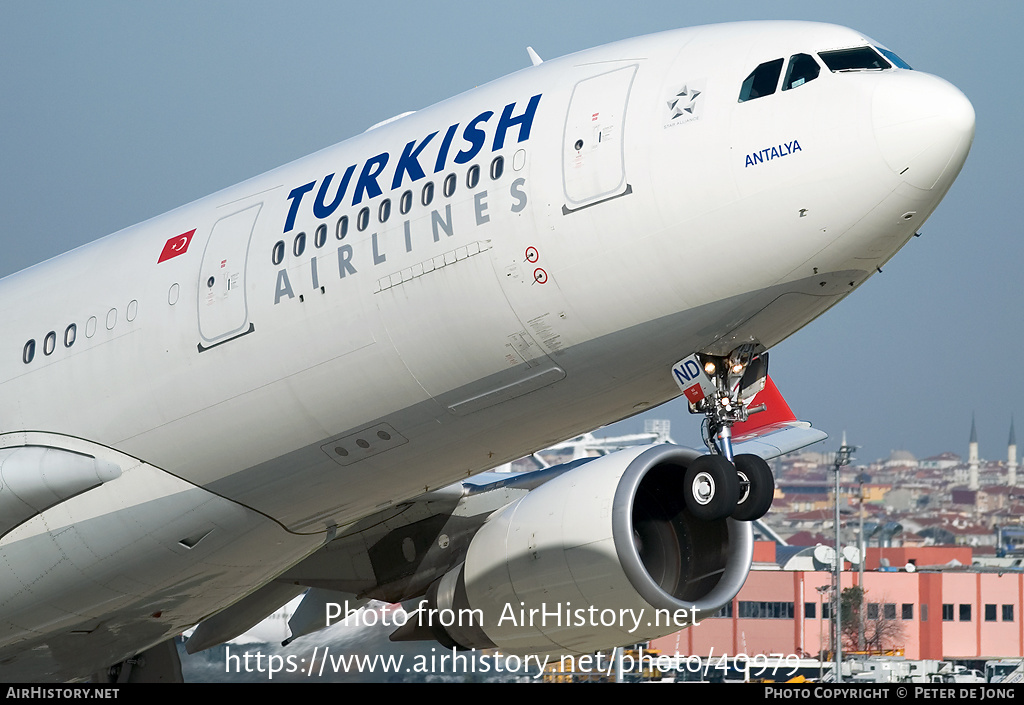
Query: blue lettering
x=409, y=163
x=368, y=178
x=322, y=210
x=524, y=121
x=475, y=136
x=378, y=258
x=687, y=371
x=409, y=169
x=296, y=197
x=446, y=143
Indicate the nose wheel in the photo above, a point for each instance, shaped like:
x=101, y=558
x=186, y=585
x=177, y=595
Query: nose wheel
x=717, y=488
x=712, y=487
x=756, y=487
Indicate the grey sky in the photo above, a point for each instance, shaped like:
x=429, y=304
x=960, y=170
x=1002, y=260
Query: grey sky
x=114, y=112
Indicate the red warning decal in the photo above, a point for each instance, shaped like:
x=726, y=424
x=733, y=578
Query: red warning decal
x=693, y=394
x=177, y=245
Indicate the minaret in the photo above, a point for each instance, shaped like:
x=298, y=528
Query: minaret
x=1011, y=458
x=972, y=458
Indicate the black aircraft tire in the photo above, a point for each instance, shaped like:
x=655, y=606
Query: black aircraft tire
x=757, y=500
x=712, y=487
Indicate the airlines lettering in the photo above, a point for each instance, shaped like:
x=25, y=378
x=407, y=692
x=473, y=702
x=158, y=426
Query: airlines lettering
x=408, y=167
x=379, y=244
x=769, y=153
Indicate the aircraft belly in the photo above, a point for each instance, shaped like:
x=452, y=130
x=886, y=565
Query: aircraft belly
x=428, y=446
x=148, y=555
x=791, y=310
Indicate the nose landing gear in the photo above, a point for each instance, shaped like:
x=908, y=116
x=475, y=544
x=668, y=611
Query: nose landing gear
x=719, y=485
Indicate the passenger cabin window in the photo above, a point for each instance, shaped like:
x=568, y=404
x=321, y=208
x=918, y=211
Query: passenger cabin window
x=802, y=68
x=856, y=59
x=497, y=167
x=762, y=81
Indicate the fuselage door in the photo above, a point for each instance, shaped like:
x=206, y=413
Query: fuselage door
x=223, y=312
x=593, y=163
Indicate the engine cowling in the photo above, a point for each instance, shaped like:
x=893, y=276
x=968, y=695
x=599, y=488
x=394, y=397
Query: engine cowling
x=604, y=555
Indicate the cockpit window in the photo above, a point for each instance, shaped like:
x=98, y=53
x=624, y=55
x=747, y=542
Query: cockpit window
x=857, y=59
x=897, y=61
x=802, y=68
x=762, y=81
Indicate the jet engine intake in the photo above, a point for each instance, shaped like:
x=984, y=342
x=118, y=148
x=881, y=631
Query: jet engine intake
x=604, y=555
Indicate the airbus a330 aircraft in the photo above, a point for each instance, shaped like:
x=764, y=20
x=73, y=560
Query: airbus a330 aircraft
x=275, y=387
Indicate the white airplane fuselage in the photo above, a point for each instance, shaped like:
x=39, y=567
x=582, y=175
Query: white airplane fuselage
x=288, y=368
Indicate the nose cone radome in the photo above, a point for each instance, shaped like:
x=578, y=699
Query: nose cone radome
x=924, y=127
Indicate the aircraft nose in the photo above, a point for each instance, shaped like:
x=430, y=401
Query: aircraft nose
x=924, y=127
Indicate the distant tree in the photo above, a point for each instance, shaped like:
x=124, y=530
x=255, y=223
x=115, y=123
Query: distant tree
x=882, y=629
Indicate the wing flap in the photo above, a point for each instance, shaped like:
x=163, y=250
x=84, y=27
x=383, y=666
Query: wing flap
x=779, y=439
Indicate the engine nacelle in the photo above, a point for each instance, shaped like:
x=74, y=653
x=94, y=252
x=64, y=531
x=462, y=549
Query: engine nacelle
x=601, y=556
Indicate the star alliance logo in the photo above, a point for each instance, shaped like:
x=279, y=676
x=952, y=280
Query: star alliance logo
x=684, y=103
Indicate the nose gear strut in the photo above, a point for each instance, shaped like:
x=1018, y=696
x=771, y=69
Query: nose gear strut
x=722, y=387
x=735, y=378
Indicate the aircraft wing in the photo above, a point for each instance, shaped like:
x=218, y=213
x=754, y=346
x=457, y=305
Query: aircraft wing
x=414, y=552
